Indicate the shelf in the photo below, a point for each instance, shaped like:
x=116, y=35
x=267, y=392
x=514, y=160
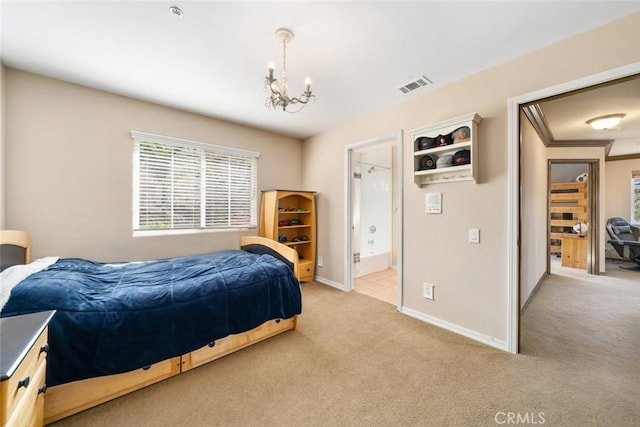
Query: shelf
x=297, y=207
x=443, y=170
x=464, y=172
x=452, y=147
x=297, y=243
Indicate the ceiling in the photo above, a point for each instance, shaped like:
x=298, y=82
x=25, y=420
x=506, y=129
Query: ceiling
x=566, y=115
x=213, y=59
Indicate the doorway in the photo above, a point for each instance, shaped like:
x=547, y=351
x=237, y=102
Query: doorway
x=373, y=218
x=514, y=225
x=573, y=215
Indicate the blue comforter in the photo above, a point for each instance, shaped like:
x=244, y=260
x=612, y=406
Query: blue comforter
x=113, y=318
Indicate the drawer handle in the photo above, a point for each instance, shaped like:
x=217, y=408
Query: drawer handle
x=211, y=344
x=146, y=368
x=24, y=382
x=42, y=389
x=44, y=348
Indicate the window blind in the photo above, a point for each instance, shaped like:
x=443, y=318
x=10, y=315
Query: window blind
x=187, y=185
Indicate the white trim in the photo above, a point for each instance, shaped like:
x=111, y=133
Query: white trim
x=513, y=224
x=632, y=213
x=172, y=140
x=513, y=143
x=399, y=217
x=177, y=231
x=460, y=330
x=331, y=283
x=348, y=258
x=447, y=123
x=348, y=150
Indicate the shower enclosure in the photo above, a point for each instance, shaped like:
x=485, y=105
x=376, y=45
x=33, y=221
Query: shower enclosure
x=372, y=211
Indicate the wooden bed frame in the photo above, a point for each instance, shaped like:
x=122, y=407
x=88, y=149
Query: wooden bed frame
x=67, y=399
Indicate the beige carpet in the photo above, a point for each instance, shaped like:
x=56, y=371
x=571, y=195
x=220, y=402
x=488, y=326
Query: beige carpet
x=355, y=361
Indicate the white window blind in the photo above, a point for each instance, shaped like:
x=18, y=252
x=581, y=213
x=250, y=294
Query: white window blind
x=187, y=185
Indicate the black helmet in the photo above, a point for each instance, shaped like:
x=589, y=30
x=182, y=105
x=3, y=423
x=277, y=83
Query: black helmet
x=443, y=140
x=462, y=157
x=424, y=143
x=428, y=162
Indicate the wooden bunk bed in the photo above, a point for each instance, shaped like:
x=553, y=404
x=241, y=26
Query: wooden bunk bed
x=568, y=207
x=70, y=398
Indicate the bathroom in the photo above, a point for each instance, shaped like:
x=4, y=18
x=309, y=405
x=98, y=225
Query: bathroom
x=374, y=217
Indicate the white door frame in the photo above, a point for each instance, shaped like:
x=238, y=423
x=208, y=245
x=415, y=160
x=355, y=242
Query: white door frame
x=513, y=160
x=348, y=167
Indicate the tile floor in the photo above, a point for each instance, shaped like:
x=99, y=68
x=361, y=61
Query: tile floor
x=380, y=285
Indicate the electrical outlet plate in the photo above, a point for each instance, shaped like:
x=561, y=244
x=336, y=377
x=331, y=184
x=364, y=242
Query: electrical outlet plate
x=320, y=263
x=427, y=290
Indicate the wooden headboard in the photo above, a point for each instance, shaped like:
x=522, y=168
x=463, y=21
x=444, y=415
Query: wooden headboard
x=14, y=248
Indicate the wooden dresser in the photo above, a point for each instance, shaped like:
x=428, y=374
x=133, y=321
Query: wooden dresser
x=23, y=365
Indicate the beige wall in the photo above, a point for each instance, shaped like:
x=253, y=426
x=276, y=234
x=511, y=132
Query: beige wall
x=471, y=279
x=69, y=168
x=533, y=173
x=2, y=132
x=618, y=187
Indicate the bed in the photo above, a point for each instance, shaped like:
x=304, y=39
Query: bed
x=121, y=326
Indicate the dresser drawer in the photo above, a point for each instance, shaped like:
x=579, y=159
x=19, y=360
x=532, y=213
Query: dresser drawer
x=25, y=413
x=25, y=380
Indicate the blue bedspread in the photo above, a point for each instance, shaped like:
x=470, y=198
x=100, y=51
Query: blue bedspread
x=113, y=318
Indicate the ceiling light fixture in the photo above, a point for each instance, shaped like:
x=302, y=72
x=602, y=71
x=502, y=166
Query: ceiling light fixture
x=278, y=90
x=608, y=122
x=176, y=11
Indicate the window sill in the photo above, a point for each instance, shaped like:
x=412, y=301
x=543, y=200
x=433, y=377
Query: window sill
x=153, y=233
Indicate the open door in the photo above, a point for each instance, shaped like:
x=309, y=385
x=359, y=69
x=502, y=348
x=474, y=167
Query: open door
x=573, y=216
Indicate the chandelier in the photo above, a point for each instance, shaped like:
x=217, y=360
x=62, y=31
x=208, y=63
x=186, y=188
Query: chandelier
x=278, y=90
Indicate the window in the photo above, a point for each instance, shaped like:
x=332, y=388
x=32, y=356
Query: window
x=635, y=197
x=185, y=185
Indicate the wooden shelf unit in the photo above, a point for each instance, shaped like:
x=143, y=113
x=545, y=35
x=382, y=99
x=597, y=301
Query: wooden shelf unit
x=286, y=205
x=568, y=207
x=466, y=172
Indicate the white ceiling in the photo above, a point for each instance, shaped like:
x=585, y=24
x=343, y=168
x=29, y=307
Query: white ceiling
x=213, y=60
x=567, y=115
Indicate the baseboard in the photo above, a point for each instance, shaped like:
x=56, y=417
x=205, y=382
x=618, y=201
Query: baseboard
x=330, y=283
x=533, y=292
x=476, y=336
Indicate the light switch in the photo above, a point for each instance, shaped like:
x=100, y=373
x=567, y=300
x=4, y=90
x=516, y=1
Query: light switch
x=474, y=235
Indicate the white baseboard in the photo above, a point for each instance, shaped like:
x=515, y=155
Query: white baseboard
x=485, y=339
x=330, y=283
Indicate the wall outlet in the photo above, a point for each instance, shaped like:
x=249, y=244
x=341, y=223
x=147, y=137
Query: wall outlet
x=319, y=261
x=427, y=290
x=474, y=235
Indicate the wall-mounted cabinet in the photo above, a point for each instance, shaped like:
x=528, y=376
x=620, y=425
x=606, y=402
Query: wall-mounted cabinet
x=290, y=218
x=446, y=151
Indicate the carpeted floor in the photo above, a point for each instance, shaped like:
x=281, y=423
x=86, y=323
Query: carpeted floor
x=355, y=361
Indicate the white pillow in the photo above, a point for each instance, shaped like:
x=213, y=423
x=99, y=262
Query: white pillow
x=15, y=274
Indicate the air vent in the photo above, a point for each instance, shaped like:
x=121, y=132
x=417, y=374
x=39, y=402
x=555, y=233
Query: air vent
x=415, y=84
